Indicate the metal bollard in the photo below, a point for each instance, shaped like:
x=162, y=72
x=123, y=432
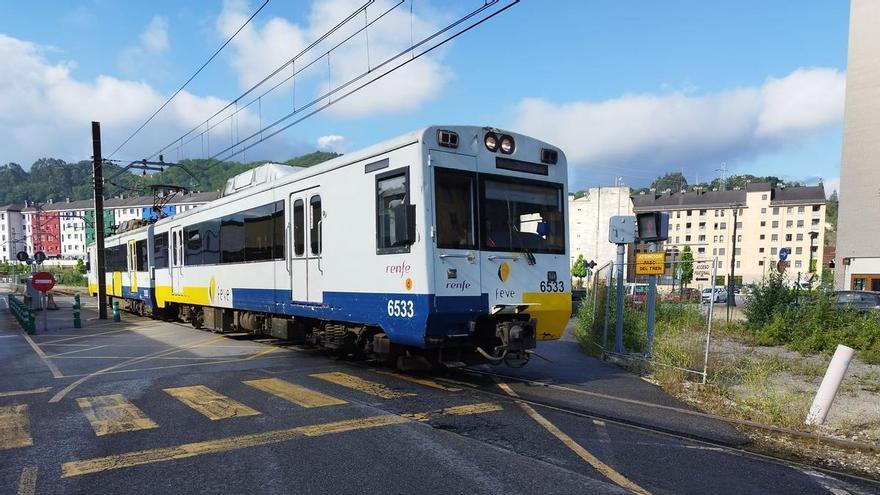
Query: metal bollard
x=76, y=304
x=116, y=311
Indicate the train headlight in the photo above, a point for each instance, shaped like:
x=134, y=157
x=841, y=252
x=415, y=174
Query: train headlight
x=507, y=144
x=491, y=141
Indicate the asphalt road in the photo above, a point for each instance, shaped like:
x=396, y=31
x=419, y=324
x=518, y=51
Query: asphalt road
x=154, y=407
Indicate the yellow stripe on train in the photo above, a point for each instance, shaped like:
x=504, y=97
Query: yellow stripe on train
x=189, y=295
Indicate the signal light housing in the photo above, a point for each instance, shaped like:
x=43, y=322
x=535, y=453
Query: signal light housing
x=549, y=156
x=447, y=139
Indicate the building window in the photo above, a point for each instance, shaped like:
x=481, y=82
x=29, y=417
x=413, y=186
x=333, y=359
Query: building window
x=678, y=214
x=800, y=209
x=798, y=250
x=714, y=238
x=761, y=263
x=687, y=238
x=702, y=238
x=689, y=212
x=720, y=251
x=702, y=225
x=723, y=225
x=763, y=223
x=720, y=238
x=800, y=223
x=737, y=251
x=815, y=222
x=790, y=210
x=800, y=237
x=774, y=237
x=816, y=207
x=787, y=237
x=789, y=223
x=737, y=263
x=776, y=211
x=773, y=251
x=714, y=251
x=775, y=224
x=798, y=264
x=739, y=225
x=687, y=225
x=702, y=213
x=763, y=210
x=701, y=250
x=763, y=197
x=760, y=250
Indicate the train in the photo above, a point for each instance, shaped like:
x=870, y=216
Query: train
x=446, y=246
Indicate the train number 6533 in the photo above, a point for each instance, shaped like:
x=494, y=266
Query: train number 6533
x=400, y=308
x=552, y=287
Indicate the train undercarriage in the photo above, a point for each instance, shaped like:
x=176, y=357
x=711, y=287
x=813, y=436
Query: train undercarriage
x=500, y=339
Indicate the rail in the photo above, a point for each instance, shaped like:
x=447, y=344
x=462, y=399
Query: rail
x=22, y=313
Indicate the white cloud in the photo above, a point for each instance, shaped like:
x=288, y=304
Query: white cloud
x=146, y=55
x=831, y=184
x=651, y=133
x=260, y=48
x=155, y=36
x=45, y=111
x=333, y=142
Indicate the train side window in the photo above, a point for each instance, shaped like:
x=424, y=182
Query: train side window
x=176, y=239
x=160, y=250
x=210, y=233
x=454, y=194
x=232, y=238
x=193, y=245
x=315, y=227
x=258, y=233
x=395, y=222
x=278, y=230
x=299, y=228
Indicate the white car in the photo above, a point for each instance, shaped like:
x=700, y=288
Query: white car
x=720, y=295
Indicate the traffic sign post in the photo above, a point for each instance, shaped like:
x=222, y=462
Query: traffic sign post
x=783, y=254
x=43, y=282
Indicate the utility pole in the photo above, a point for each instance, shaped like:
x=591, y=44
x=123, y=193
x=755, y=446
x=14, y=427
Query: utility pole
x=97, y=167
x=731, y=298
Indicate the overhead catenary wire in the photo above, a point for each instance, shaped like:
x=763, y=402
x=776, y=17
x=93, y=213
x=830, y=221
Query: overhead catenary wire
x=267, y=78
x=196, y=73
x=240, y=146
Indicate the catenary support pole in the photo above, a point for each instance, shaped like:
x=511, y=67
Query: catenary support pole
x=618, y=315
x=97, y=168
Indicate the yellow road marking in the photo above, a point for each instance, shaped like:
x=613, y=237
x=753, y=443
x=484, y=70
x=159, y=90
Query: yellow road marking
x=78, y=350
x=421, y=381
x=136, y=370
x=25, y=392
x=114, y=414
x=359, y=384
x=60, y=395
x=466, y=410
x=27, y=482
x=210, y=403
x=581, y=452
x=261, y=353
x=14, y=427
x=56, y=373
x=294, y=393
x=78, y=468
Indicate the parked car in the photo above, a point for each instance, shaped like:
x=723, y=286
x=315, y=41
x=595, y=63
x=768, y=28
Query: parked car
x=719, y=296
x=859, y=300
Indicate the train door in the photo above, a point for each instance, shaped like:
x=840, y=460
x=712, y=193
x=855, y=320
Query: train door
x=132, y=266
x=457, y=260
x=176, y=260
x=306, y=271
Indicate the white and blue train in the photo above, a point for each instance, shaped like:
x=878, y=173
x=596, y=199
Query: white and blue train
x=447, y=245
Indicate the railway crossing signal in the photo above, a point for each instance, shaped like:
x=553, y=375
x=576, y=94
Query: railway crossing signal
x=39, y=257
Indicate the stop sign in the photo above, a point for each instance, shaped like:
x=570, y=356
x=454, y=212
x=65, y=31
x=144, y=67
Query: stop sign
x=43, y=281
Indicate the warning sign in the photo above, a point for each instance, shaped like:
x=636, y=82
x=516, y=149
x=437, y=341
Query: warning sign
x=650, y=263
x=702, y=270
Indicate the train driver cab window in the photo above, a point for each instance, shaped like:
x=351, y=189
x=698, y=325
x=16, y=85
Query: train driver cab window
x=316, y=230
x=299, y=228
x=395, y=217
x=521, y=216
x=454, y=193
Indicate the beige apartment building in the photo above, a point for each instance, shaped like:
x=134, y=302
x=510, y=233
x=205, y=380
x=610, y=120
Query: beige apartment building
x=588, y=220
x=858, y=227
x=765, y=220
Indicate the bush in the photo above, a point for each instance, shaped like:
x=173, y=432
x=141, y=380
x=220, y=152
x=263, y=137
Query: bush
x=768, y=299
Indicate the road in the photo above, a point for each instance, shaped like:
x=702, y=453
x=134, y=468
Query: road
x=145, y=406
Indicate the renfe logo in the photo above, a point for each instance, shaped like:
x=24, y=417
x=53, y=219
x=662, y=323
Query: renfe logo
x=462, y=285
x=399, y=269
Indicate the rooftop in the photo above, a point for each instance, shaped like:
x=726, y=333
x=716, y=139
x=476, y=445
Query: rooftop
x=725, y=199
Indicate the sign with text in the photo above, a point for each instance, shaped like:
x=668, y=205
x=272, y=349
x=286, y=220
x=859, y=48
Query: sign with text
x=650, y=263
x=702, y=270
x=43, y=281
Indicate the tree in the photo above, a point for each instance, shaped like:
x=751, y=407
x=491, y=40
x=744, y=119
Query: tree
x=579, y=270
x=674, y=181
x=687, y=265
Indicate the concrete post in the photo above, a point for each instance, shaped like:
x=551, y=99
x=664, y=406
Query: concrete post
x=828, y=389
x=618, y=316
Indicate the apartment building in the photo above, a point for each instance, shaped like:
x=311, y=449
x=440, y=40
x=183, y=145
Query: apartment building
x=588, y=220
x=12, y=237
x=858, y=228
x=762, y=218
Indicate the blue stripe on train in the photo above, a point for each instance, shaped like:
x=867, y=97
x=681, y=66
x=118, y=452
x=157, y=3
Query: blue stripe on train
x=428, y=315
x=144, y=294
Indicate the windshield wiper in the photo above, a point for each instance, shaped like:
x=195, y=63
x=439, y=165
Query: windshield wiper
x=530, y=258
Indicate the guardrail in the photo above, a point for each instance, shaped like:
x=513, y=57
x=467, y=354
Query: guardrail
x=22, y=313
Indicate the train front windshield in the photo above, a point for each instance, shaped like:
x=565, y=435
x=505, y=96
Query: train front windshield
x=515, y=215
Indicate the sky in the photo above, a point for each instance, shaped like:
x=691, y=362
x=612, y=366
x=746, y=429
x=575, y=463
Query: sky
x=626, y=88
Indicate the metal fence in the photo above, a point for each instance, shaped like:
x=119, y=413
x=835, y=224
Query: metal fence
x=681, y=337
